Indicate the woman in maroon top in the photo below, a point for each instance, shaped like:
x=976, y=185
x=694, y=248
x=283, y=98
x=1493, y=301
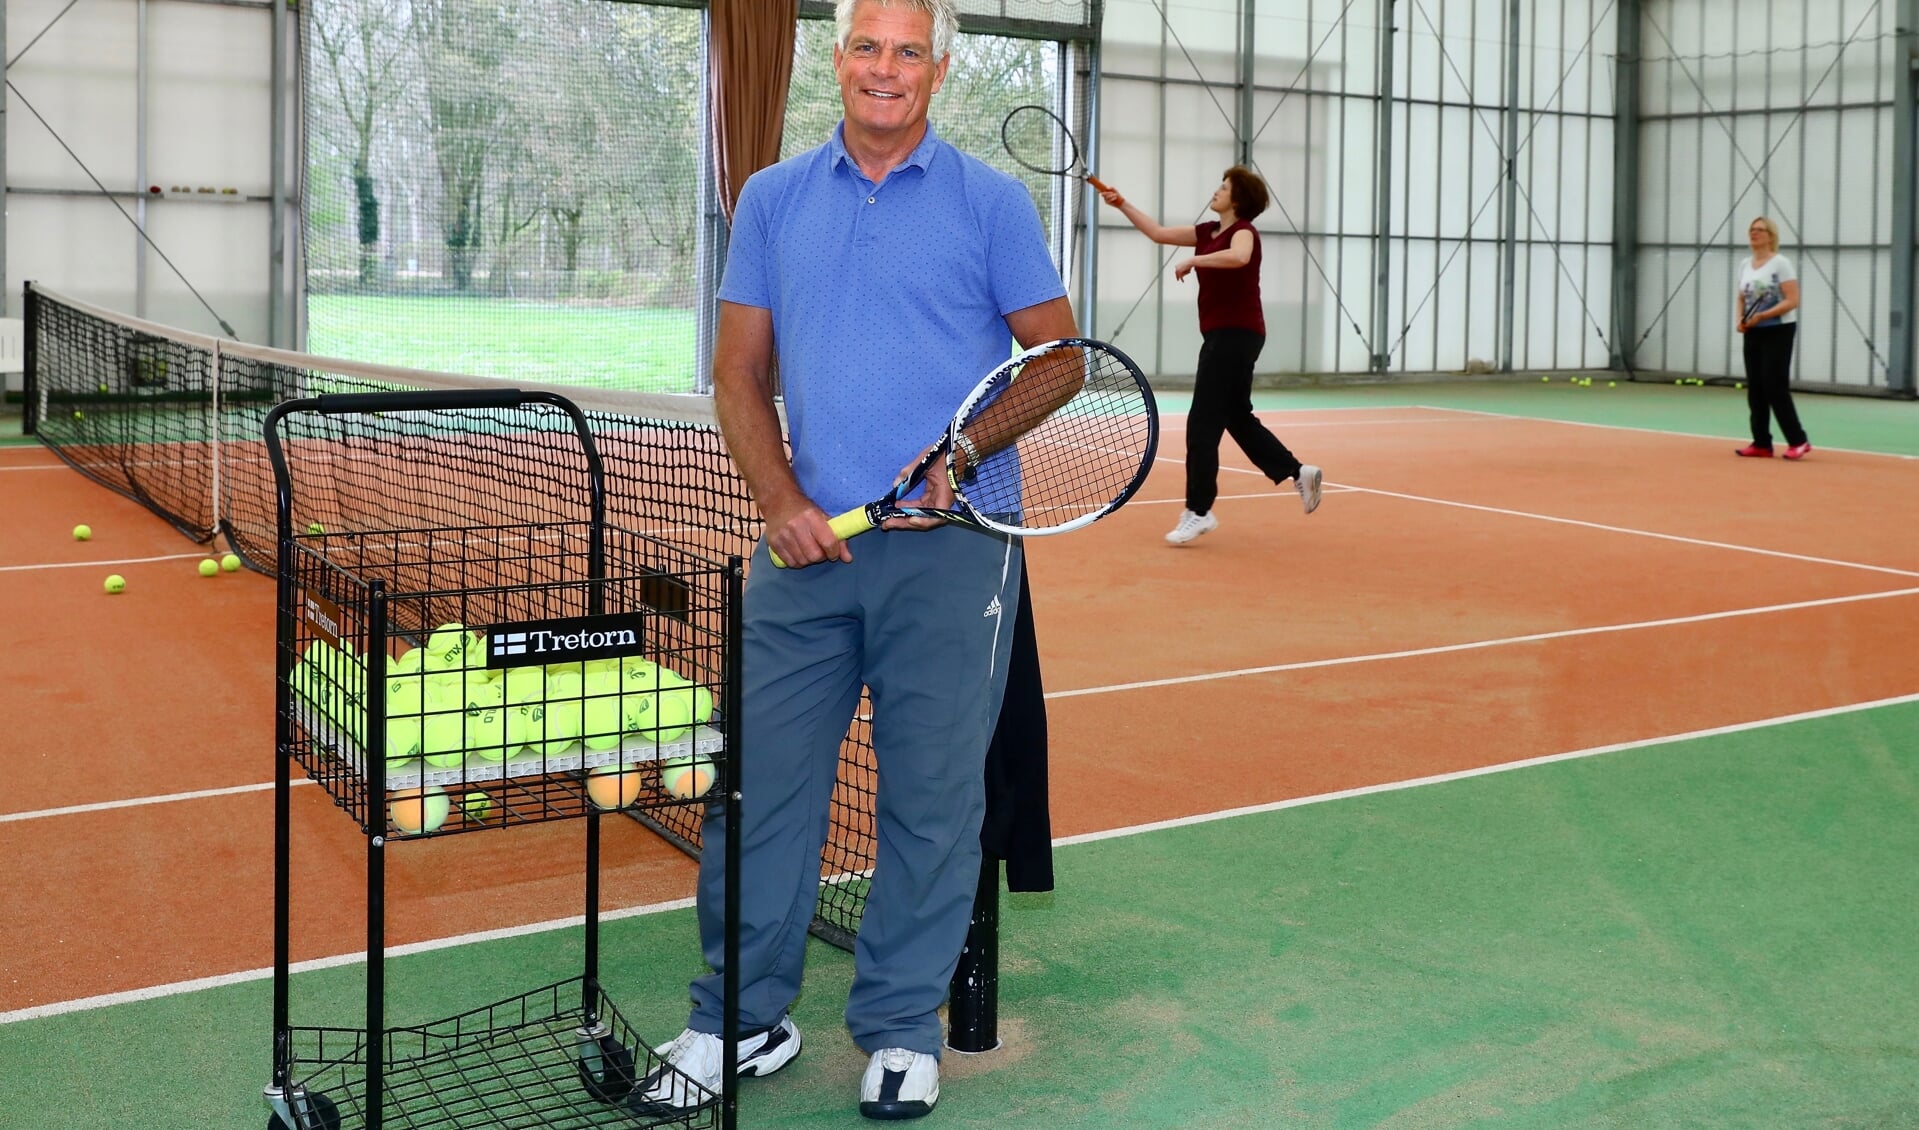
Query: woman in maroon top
x=1232, y=327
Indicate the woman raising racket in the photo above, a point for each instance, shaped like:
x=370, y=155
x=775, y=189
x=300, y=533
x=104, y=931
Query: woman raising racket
x=1232, y=327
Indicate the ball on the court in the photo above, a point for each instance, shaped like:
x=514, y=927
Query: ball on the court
x=79, y=415
x=476, y=805
x=613, y=786
x=414, y=811
x=115, y=583
x=82, y=533
x=1544, y=380
x=209, y=567
x=686, y=777
x=230, y=563
x=1612, y=384
x=315, y=529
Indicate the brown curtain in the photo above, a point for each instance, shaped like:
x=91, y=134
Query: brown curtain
x=752, y=59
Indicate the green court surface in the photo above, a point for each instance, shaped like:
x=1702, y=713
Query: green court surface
x=1713, y=932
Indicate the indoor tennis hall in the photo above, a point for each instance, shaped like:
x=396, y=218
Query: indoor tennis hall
x=1558, y=770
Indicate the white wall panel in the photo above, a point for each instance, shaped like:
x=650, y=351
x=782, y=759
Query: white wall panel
x=209, y=81
x=1855, y=192
x=222, y=251
x=80, y=247
x=80, y=77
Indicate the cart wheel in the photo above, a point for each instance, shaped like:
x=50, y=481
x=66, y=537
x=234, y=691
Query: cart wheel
x=611, y=1078
x=323, y=1114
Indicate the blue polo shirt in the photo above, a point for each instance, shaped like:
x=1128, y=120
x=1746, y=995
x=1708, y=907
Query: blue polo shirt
x=888, y=300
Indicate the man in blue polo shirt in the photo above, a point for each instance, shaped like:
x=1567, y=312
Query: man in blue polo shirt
x=888, y=272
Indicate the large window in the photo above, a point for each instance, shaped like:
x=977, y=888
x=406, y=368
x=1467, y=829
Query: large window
x=506, y=189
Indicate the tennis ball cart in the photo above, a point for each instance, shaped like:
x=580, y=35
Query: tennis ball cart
x=467, y=643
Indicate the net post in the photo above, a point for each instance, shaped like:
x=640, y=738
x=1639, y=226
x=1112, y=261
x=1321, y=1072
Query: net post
x=973, y=997
x=213, y=440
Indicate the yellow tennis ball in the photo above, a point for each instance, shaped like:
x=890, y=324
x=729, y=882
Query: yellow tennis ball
x=402, y=740
x=564, y=719
x=476, y=805
x=600, y=721
x=82, y=533
x=315, y=529
x=686, y=777
x=441, y=736
x=673, y=715
x=1544, y=380
x=414, y=811
x=613, y=786
x=1612, y=384
x=230, y=563
x=525, y=684
x=115, y=583
x=209, y=568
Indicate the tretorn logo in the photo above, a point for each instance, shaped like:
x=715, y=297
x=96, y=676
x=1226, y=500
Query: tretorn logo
x=571, y=640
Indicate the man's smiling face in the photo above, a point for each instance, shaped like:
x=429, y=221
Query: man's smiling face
x=887, y=72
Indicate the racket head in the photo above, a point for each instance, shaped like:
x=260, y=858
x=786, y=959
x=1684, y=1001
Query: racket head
x=1032, y=136
x=1078, y=463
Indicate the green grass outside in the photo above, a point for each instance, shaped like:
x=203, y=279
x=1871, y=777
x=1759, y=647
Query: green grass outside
x=646, y=349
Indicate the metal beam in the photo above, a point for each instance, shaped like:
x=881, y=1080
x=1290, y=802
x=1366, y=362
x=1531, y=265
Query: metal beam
x=4, y=309
x=1625, y=189
x=277, y=305
x=1246, y=72
x=1899, y=349
x=140, y=159
x=1383, y=195
x=1510, y=227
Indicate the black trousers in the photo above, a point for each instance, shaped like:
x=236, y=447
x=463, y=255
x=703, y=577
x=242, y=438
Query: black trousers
x=1223, y=405
x=1769, y=384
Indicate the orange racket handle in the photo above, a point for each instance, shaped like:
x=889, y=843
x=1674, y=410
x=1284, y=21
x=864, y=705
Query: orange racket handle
x=1097, y=183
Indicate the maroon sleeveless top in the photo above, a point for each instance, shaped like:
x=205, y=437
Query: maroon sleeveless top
x=1228, y=296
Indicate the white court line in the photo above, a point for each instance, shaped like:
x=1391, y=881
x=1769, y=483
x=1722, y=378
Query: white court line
x=35, y=467
x=140, y=801
x=156, y=992
x=1636, y=533
x=115, y=561
x=1816, y=448
x=178, y=988
x=1145, y=684
x=1463, y=774
x=1477, y=645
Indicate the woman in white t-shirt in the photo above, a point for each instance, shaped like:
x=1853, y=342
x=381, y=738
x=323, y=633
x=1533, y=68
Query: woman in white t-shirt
x=1766, y=310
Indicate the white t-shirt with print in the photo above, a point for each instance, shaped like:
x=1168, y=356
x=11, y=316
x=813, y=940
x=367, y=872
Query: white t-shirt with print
x=1763, y=287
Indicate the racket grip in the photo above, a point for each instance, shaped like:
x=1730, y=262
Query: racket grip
x=847, y=525
x=1097, y=183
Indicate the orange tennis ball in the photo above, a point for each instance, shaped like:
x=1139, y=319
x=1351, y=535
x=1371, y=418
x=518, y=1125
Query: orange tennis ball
x=414, y=811
x=613, y=786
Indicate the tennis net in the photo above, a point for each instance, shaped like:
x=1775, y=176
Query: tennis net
x=175, y=421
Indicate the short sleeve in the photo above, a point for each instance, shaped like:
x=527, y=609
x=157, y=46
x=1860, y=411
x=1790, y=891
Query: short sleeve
x=747, y=281
x=1020, y=262
x=1782, y=269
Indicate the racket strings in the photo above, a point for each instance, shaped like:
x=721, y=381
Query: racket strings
x=1081, y=460
x=1036, y=138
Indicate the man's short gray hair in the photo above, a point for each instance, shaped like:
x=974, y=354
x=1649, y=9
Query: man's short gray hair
x=945, y=20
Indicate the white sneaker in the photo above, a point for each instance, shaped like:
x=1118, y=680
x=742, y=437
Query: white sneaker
x=1192, y=525
x=696, y=1061
x=1307, y=484
x=899, y=1084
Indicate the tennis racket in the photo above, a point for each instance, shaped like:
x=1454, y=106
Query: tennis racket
x=1054, y=439
x=1036, y=138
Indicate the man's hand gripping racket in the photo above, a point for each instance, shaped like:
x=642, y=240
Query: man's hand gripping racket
x=1054, y=439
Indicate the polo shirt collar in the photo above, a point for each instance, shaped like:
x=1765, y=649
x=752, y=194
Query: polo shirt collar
x=920, y=157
